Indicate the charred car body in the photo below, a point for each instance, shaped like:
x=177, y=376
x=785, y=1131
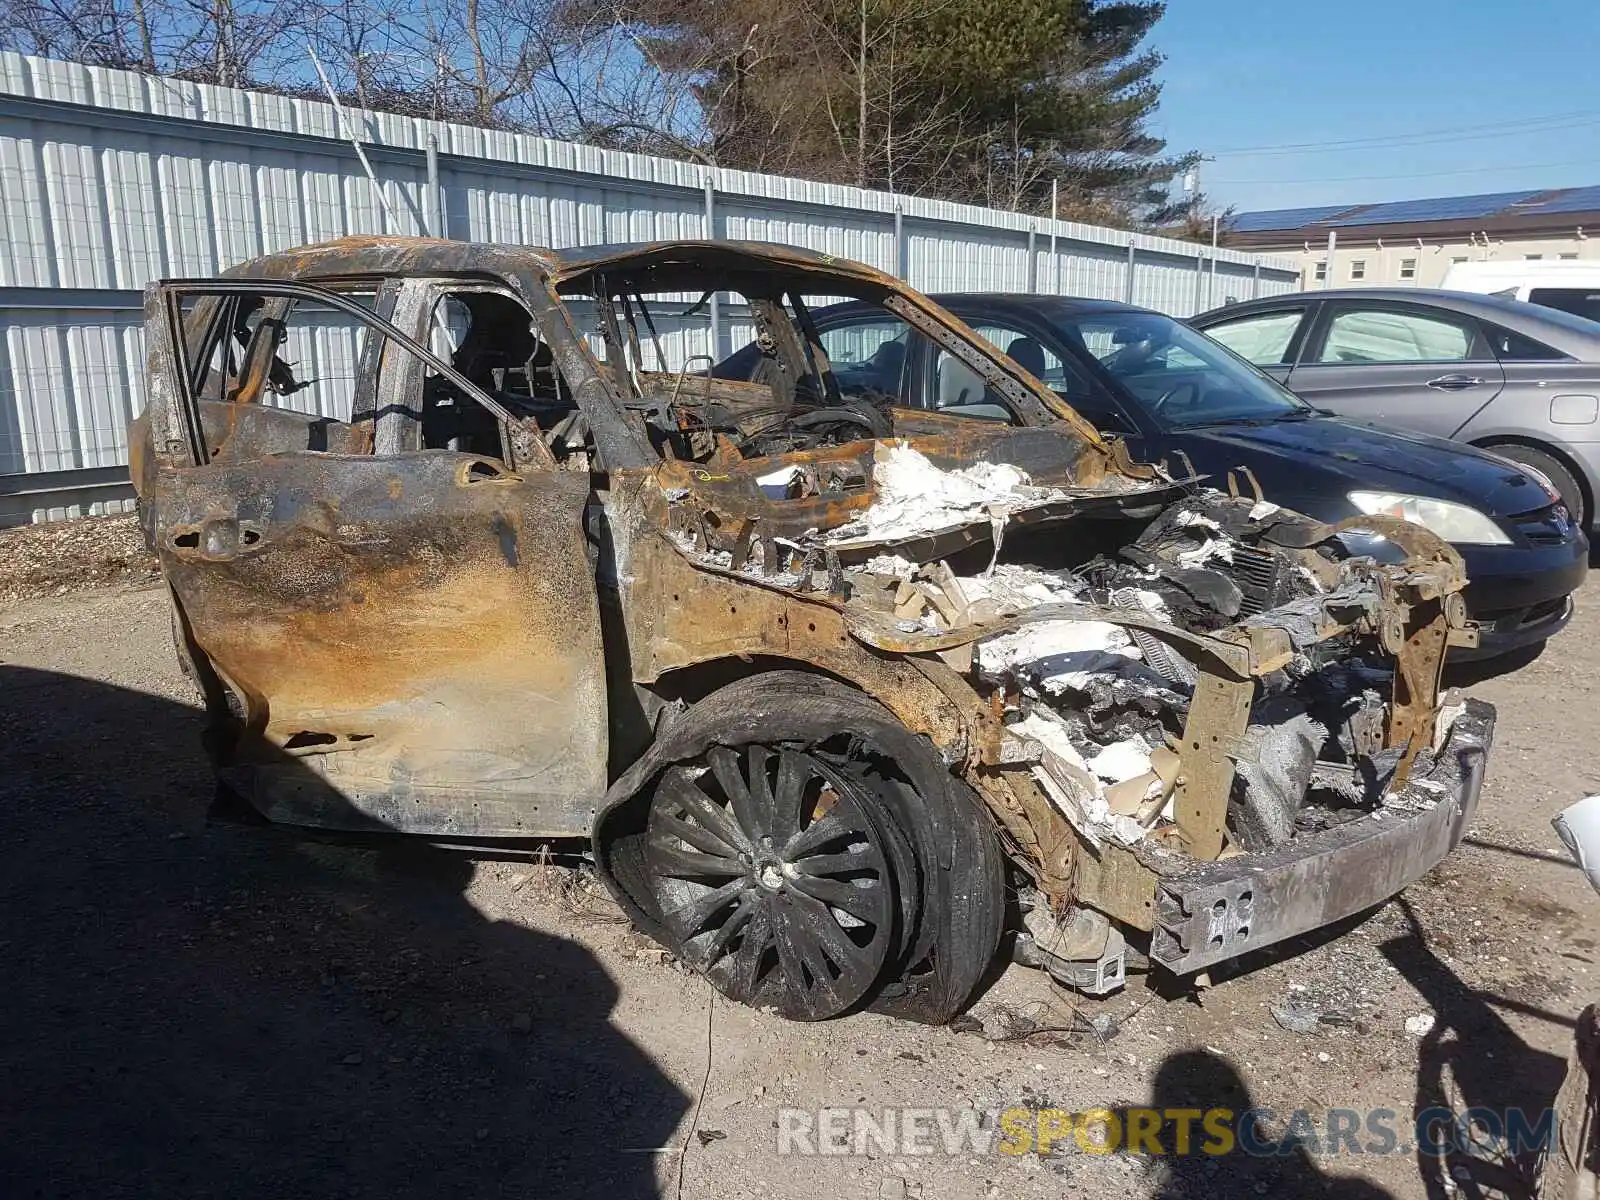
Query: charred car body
x=825, y=679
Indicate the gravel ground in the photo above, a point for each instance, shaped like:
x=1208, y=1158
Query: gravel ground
x=198, y=1009
x=54, y=559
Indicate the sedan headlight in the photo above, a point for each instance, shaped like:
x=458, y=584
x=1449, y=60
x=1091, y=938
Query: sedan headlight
x=1453, y=522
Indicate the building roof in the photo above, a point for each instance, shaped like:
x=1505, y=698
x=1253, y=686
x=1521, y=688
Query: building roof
x=1492, y=207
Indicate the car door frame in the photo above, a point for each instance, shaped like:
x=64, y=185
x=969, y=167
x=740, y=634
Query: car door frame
x=1044, y=332
x=1284, y=368
x=1329, y=310
x=425, y=623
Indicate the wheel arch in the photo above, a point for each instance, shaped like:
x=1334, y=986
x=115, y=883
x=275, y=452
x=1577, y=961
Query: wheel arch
x=928, y=698
x=1565, y=457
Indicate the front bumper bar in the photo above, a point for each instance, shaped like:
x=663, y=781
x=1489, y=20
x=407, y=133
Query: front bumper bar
x=1221, y=910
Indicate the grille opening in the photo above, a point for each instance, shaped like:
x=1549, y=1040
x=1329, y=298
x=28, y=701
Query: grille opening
x=1258, y=574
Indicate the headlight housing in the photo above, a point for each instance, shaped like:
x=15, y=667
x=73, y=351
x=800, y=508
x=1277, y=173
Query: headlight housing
x=1453, y=522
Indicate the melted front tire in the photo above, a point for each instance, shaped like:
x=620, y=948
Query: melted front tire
x=778, y=876
x=682, y=847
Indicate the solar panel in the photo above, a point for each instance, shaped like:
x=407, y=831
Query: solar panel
x=1441, y=208
x=1567, y=200
x=1284, y=218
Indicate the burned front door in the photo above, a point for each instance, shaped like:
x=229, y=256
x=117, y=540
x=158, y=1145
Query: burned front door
x=395, y=610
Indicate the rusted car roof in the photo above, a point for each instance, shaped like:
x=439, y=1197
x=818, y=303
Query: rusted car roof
x=373, y=255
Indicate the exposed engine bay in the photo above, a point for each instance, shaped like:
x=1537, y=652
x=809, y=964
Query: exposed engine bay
x=1179, y=675
x=1104, y=704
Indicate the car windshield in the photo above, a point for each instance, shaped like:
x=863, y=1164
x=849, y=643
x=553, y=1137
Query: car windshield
x=1176, y=374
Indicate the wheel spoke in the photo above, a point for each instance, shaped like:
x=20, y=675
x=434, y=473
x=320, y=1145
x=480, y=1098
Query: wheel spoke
x=818, y=834
x=725, y=766
x=679, y=788
x=864, y=857
x=673, y=860
x=799, y=956
x=746, y=961
x=698, y=836
x=692, y=917
x=862, y=903
x=846, y=955
x=790, y=961
x=738, y=919
x=759, y=759
x=794, y=772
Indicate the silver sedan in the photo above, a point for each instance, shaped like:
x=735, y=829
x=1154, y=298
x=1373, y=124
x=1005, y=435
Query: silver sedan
x=1516, y=378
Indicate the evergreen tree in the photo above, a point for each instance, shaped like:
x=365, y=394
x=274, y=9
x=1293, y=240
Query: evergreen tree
x=985, y=101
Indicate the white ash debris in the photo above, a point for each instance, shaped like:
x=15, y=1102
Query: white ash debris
x=1206, y=551
x=891, y=565
x=1449, y=711
x=722, y=560
x=1050, y=732
x=1122, y=761
x=1071, y=785
x=1214, y=543
x=911, y=496
x=932, y=597
x=1058, y=655
x=1189, y=519
x=1016, y=589
x=778, y=485
x=1152, y=603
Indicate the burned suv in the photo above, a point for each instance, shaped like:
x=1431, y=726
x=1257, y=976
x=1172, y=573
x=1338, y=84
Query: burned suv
x=471, y=543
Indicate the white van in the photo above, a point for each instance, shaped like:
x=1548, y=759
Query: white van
x=1572, y=286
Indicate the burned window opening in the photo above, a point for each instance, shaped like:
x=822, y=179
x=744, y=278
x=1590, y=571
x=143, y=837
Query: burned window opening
x=492, y=340
x=786, y=398
x=230, y=398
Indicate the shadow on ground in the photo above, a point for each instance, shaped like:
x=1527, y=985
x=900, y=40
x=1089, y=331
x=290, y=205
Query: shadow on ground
x=1473, y=1059
x=1471, y=673
x=1255, y=1160
x=204, y=1010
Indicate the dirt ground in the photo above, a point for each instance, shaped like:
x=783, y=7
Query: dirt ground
x=199, y=1009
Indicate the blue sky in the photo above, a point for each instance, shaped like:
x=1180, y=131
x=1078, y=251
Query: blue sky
x=1242, y=74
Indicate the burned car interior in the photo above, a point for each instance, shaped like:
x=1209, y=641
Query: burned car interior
x=839, y=687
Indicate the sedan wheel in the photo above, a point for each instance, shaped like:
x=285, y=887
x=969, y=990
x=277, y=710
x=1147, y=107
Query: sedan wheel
x=776, y=874
x=1552, y=469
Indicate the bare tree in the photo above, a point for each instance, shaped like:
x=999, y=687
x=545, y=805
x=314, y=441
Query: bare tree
x=88, y=31
x=234, y=43
x=893, y=130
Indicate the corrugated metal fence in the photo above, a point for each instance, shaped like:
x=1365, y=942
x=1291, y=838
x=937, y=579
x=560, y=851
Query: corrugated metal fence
x=109, y=179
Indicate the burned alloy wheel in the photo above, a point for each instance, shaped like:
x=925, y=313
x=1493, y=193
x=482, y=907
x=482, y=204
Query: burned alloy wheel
x=776, y=876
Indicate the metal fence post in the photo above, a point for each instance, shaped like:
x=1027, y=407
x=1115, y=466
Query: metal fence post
x=900, y=265
x=1033, y=259
x=1055, y=261
x=1255, y=280
x=433, y=204
x=711, y=232
x=1133, y=269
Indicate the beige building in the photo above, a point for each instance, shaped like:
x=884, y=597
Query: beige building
x=1414, y=242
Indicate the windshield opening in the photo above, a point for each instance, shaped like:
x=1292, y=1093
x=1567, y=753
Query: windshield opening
x=1176, y=374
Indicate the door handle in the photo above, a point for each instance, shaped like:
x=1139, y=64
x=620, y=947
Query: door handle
x=1454, y=383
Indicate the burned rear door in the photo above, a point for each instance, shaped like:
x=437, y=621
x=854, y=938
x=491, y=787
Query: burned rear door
x=407, y=638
